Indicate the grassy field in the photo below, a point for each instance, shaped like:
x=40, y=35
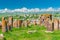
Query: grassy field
x=21, y=34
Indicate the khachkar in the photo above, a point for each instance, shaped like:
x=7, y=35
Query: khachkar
x=27, y=22
x=0, y=25
x=46, y=20
x=34, y=22
x=15, y=23
x=50, y=25
x=10, y=22
x=4, y=25
x=56, y=24
x=59, y=24
x=44, y=17
x=19, y=22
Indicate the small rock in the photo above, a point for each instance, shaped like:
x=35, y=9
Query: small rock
x=1, y=37
x=48, y=31
x=32, y=31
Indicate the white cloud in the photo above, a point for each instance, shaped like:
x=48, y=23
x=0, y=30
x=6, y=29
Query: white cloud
x=24, y=9
x=50, y=9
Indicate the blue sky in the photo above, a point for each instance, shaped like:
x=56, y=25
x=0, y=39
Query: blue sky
x=13, y=4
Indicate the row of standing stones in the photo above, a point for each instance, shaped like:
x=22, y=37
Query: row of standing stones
x=7, y=25
x=50, y=23
x=45, y=19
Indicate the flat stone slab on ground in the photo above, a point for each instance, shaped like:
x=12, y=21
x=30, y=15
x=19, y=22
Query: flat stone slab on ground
x=31, y=31
x=1, y=37
x=49, y=31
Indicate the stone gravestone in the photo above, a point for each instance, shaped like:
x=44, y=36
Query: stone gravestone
x=10, y=20
x=22, y=25
x=19, y=23
x=0, y=25
x=15, y=23
x=35, y=23
x=10, y=23
x=4, y=25
x=59, y=24
x=50, y=26
x=26, y=23
x=9, y=26
x=2, y=37
x=46, y=22
x=40, y=22
x=56, y=24
x=44, y=17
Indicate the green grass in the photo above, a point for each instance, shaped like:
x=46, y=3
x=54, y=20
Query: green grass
x=21, y=34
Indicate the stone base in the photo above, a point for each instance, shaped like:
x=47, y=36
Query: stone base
x=49, y=31
x=1, y=37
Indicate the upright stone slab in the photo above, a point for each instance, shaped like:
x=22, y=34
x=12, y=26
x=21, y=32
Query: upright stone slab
x=9, y=26
x=19, y=23
x=59, y=24
x=56, y=24
x=44, y=17
x=10, y=20
x=10, y=23
x=26, y=23
x=34, y=22
x=46, y=22
x=50, y=26
x=15, y=23
x=4, y=25
x=23, y=23
x=40, y=23
x=0, y=25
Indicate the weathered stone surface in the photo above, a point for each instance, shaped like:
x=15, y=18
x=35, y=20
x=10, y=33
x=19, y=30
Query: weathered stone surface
x=9, y=27
x=10, y=21
x=31, y=31
x=1, y=37
x=15, y=23
x=4, y=25
x=19, y=23
x=46, y=22
x=23, y=23
x=56, y=24
x=48, y=31
x=50, y=26
x=44, y=17
x=27, y=22
x=34, y=22
x=59, y=24
x=0, y=25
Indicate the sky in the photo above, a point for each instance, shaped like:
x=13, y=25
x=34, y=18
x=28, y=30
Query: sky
x=15, y=4
x=29, y=5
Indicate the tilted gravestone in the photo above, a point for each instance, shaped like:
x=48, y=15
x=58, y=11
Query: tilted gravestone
x=23, y=24
x=4, y=25
x=0, y=25
x=15, y=23
x=44, y=17
x=56, y=24
x=35, y=23
x=10, y=20
x=46, y=22
x=27, y=22
x=19, y=23
x=50, y=26
x=59, y=24
x=10, y=23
